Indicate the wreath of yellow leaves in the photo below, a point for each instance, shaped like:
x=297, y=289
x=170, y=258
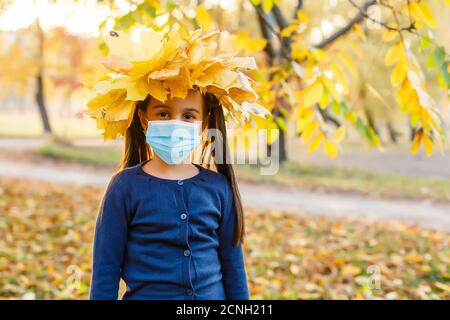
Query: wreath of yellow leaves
x=166, y=65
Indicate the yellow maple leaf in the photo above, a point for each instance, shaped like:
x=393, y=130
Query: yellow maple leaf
x=203, y=18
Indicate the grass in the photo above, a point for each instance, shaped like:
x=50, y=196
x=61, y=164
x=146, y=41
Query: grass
x=306, y=176
x=30, y=125
x=339, y=178
x=85, y=155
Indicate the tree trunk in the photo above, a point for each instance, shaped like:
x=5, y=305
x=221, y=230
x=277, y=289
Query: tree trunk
x=282, y=155
x=40, y=92
x=271, y=56
x=41, y=104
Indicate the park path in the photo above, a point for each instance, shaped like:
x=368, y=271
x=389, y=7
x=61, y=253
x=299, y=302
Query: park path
x=262, y=196
x=390, y=161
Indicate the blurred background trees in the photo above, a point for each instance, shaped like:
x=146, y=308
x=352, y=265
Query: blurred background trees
x=377, y=70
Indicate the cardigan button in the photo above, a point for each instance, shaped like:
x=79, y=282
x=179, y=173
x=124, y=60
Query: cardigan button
x=189, y=292
x=187, y=253
x=180, y=183
x=183, y=216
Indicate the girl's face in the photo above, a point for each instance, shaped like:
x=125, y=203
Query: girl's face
x=189, y=109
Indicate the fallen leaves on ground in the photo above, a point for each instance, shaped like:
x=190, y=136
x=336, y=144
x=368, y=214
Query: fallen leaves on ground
x=46, y=233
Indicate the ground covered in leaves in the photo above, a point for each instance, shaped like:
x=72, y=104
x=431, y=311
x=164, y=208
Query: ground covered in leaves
x=46, y=233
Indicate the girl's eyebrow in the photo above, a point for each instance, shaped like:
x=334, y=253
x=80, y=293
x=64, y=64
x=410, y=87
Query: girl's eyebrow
x=160, y=106
x=192, y=110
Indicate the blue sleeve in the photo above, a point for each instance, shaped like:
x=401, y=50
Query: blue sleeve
x=109, y=243
x=234, y=276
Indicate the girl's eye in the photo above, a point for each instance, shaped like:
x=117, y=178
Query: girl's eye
x=188, y=116
x=163, y=114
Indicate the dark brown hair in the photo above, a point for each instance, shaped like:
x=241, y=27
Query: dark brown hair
x=136, y=150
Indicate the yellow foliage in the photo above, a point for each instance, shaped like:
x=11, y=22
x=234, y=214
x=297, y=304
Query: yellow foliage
x=330, y=149
x=316, y=142
x=416, y=142
x=286, y=32
x=242, y=41
x=350, y=116
x=389, y=35
x=399, y=73
x=421, y=11
x=267, y=5
x=394, y=54
x=339, y=134
x=348, y=63
x=428, y=145
x=340, y=76
x=331, y=88
x=299, y=50
x=313, y=93
x=299, y=254
x=203, y=18
x=166, y=65
x=357, y=29
x=418, y=138
x=350, y=269
x=309, y=131
x=14, y=77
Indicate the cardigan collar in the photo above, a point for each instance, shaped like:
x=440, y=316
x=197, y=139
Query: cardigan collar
x=199, y=176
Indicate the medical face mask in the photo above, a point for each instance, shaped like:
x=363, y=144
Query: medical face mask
x=173, y=140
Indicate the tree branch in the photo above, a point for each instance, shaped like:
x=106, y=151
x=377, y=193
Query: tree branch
x=282, y=23
x=262, y=15
x=357, y=19
x=298, y=7
x=363, y=12
x=269, y=49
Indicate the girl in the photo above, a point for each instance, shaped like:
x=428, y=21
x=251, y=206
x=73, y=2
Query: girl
x=168, y=229
x=171, y=230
